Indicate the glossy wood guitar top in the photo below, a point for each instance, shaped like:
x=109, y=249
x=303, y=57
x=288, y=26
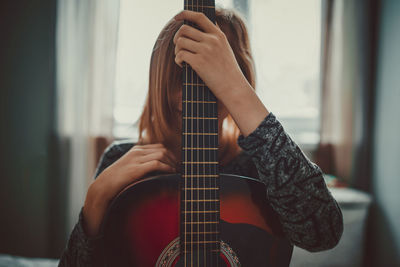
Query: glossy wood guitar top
x=141, y=227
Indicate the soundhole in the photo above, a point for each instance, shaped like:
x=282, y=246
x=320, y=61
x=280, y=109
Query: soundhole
x=171, y=256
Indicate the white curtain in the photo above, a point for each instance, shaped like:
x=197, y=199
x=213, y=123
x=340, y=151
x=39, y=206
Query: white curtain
x=348, y=89
x=87, y=34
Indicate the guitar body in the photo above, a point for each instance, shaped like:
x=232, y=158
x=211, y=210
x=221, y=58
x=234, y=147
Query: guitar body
x=141, y=227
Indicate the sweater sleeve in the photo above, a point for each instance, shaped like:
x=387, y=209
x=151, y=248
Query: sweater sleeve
x=310, y=216
x=81, y=249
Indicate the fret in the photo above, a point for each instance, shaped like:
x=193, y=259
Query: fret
x=199, y=6
x=194, y=84
x=197, y=186
x=199, y=133
x=195, y=127
x=200, y=118
x=199, y=162
x=207, y=222
x=202, y=233
x=204, y=155
x=201, y=200
x=201, y=188
x=200, y=211
x=202, y=242
x=198, y=101
x=200, y=148
x=198, y=142
x=200, y=175
x=193, y=114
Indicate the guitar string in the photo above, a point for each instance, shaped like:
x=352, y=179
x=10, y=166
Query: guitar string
x=213, y=142
x=198, y=165
x=214, y=167
x=191, y=160
x=211, y=171
x=215, y=179
x=192, y=167
x=212, y=192
x=197, y=159
x=185, y=168
x=214, y=172
x=206, y=180
x=217, y=186
x=211, y=205
x=193, y=136
x=204, y=215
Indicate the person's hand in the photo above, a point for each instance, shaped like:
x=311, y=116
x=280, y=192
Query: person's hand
x=208, y=52
x=138, y=161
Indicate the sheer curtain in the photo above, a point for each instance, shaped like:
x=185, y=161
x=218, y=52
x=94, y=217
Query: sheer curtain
x=348, y=89
x=87, y=34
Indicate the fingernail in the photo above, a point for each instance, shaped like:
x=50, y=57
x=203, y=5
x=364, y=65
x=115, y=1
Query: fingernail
x=176, y=17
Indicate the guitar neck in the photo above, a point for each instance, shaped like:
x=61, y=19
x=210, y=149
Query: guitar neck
x=199, y=108
x=199, y=183
x=199, y=116
x=205, y=6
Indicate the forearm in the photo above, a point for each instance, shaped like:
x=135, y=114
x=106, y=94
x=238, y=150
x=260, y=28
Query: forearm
x=98, y=197
x=244, y=105
x=93, y=212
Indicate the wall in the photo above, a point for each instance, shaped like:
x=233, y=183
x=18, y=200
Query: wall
x=385, y=224
x=27, y=75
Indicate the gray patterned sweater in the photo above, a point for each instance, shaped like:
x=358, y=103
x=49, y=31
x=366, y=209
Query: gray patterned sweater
x=310, y=217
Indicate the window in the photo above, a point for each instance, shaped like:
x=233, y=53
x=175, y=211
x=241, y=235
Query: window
x=285, y=38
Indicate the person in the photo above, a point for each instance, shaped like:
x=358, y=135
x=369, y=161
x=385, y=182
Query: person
x=252, y=141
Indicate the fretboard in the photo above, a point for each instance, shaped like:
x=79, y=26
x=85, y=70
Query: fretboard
x=199, y=183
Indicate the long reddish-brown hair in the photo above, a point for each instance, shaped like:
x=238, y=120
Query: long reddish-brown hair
x=165, y=79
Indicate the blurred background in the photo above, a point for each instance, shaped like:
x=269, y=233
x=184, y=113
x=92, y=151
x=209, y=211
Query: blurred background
x=74, y=77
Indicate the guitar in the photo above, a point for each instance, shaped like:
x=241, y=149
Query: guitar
x=198, y=217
